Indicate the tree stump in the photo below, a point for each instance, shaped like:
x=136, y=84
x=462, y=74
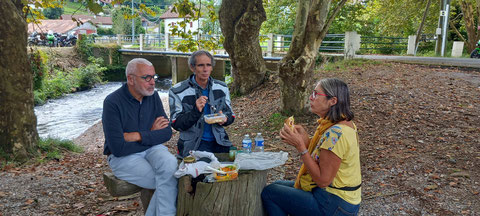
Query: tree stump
x=238, y=197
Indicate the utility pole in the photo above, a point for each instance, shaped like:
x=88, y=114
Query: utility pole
x=133, y=26
x=446, y=11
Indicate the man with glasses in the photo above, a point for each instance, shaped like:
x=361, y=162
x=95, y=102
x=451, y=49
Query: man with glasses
x=135, y=126
x=195, y=97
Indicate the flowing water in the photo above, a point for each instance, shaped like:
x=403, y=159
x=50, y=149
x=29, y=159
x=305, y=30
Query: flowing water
x=71, y=115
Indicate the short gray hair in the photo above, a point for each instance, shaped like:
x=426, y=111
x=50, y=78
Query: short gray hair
x=337, y=88
x=192, y=60
x=133, y=65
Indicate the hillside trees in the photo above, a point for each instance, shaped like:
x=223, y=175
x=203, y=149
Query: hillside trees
x=122, y=23
x=311, y=25
x=471, y=19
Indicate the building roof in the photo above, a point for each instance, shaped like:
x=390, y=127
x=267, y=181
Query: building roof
x=94, y=19
x=169, y=14
x=58, y=26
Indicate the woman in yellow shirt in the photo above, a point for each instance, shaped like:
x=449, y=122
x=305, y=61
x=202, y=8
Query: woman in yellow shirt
x=329, y=180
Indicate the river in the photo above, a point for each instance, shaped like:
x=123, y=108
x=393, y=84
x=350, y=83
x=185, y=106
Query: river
x=71, y=115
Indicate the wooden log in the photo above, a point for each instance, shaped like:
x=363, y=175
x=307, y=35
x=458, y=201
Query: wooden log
x=118, y=188
x=237, y=197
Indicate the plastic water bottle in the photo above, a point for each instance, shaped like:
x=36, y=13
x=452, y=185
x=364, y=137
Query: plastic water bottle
x=259, y=143
x=247, y=144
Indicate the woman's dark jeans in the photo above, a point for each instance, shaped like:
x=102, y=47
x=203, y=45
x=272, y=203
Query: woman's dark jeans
x=281, y=198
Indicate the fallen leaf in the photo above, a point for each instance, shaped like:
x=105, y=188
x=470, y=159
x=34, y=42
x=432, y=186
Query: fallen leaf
x=452, y=183
x=78, y=205
x=431, y=187
x=29, y=201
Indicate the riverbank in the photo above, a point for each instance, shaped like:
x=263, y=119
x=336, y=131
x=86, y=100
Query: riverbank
x=418, y=127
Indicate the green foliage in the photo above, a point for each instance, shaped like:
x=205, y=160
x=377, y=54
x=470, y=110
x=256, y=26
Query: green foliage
x=38, y=63
x=122, y=22
x=52, y=13
x=351, y=18
x=192, y=40
x=89, y=75
x=280, y=16
x=84, y=46
x=52, y=148
x=105, y=31
x=77, y=8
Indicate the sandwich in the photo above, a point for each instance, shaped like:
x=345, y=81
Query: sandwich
x=290, y=121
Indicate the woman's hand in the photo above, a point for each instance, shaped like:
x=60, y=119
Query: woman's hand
x=298, y=138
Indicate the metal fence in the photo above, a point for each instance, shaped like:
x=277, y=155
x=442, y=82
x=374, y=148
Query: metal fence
x=271, y=43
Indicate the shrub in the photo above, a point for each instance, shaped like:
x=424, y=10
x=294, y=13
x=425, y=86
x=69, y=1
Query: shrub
x=38, y=63
x=90, y=75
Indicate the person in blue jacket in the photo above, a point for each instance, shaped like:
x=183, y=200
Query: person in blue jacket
x=135, y=126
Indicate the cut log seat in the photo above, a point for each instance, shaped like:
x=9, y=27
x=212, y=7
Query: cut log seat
x=117, y=188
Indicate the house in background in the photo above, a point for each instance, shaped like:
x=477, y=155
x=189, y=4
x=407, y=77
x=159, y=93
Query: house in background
x=170, y=18
x=99, y=21
x=62, y=27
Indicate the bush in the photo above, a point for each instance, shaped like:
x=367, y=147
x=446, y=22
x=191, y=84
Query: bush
x=89, y=75
x=38, y=63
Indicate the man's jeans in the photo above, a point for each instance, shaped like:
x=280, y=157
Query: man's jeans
x=281, y=198
x=152, y=169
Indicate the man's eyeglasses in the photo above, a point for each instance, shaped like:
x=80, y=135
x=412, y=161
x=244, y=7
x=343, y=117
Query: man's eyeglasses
x=315, y=93
x=148, y=77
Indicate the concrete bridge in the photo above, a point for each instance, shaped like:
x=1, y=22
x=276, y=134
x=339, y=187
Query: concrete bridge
x=175, y=64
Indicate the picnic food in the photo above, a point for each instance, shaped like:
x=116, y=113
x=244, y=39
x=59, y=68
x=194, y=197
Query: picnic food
x=290, y=121
x=214, y=118
x=231, y=173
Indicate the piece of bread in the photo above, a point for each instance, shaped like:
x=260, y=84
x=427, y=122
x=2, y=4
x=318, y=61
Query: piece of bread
x=290, y=121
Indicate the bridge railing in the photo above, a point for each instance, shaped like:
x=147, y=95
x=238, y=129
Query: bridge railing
x=271, y=44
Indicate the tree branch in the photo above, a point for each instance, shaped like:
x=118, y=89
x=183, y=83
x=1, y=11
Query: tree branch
x=452, y=25
x=330, y=19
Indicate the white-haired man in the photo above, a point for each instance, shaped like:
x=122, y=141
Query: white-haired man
x=135, y=126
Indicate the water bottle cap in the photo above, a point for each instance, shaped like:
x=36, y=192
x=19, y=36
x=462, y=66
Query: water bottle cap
x=259, y=133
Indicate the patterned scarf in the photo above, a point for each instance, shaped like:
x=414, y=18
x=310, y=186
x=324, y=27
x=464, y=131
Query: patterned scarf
x=322, y=127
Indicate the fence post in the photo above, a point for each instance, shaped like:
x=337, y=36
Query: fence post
x=119, y=39
x=352, y=44
x=271, y=44
x=140, y=41
x=457, y=49
x=411, y=44
x=167, y=41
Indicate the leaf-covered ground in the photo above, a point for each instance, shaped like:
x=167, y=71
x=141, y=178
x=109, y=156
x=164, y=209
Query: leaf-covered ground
x=420, y=147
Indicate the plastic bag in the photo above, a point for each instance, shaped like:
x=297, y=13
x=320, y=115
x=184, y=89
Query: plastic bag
x=261, y=160
x=199, y=167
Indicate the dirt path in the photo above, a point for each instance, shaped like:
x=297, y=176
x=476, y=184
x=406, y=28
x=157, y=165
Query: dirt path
x=420, y=147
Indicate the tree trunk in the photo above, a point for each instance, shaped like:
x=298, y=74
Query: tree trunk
x=469, y=15
x=240, y=22
x=296, y=68
x=18, y=123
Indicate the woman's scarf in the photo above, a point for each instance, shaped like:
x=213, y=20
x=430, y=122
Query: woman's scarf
x=322, y=127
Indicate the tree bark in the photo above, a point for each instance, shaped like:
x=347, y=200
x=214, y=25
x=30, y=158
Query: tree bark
x=240, y=22
x=296, y=68
x=469, y=15
x=18, y=123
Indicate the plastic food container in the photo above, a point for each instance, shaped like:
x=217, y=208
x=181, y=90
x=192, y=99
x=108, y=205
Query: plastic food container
x=214, y=118
x=231, y=170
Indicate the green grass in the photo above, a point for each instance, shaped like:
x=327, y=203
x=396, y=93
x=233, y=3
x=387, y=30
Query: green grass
x=275, y=122
x=346, y=64
x=71, y=7
x=53, y=148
